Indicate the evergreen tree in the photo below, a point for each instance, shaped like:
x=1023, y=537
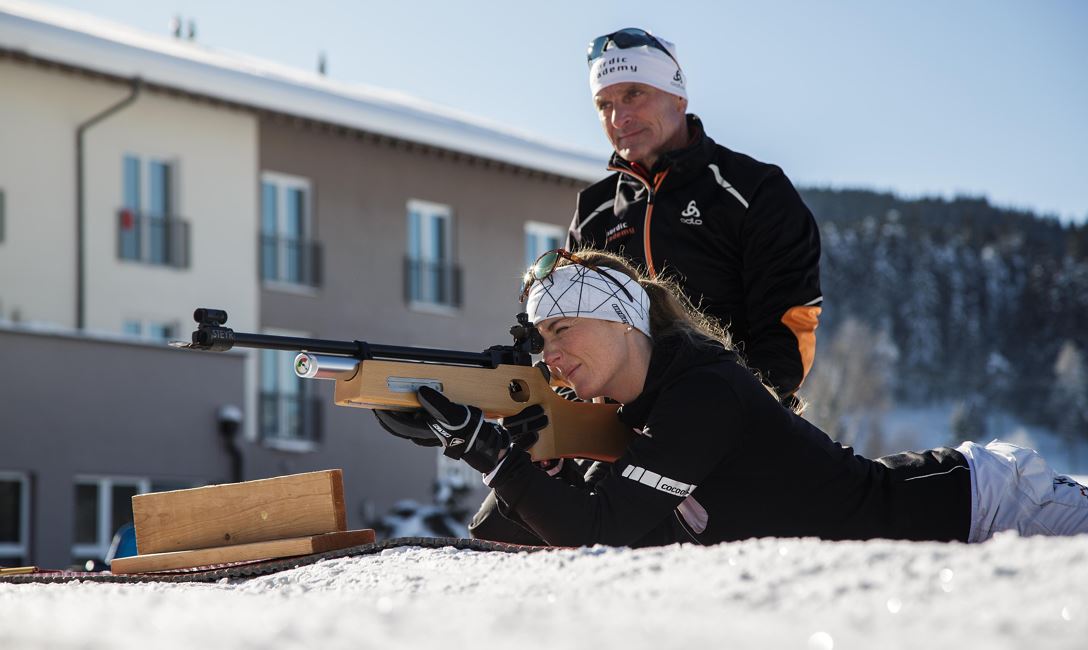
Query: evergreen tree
x=850, y=388
x=956, y=284
x=1068, y=404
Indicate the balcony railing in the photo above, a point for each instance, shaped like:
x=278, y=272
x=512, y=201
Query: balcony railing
x=289, y=260
x=433, y=283
x=162, y=241
x=289, y=418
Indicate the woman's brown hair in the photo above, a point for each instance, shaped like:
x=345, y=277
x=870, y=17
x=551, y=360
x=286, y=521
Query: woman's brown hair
x=671, y=312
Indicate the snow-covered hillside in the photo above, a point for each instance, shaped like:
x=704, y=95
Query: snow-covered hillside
x=920, y=427
x=1007, y=593
x=924, y=426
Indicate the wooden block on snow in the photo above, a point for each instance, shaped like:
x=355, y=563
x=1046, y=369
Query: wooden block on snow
x=298, y=505
x=242, y=552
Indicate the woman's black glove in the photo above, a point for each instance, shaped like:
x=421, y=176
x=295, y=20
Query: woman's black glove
x=411, y=425
x=461, y=430
x=523, y=427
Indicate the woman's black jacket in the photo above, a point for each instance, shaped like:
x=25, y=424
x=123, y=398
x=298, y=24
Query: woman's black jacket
x=718, y=458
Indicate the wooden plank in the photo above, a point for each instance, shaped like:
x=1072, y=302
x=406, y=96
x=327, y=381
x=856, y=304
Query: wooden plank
x=242, y=552
x=240, y=513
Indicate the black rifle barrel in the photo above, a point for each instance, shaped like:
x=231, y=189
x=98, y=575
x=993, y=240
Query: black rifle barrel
x=294, y=343
x=363, y=351
x=212, y=334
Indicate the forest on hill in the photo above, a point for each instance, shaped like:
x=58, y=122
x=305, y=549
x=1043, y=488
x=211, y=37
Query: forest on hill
x=933, y=299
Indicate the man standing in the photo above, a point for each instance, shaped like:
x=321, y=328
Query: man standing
x=732, y=230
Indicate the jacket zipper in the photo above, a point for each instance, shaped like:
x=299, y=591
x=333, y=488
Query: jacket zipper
x=651, y=191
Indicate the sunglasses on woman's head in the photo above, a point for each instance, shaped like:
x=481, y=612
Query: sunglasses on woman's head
x=546, y=264
x=625, y=39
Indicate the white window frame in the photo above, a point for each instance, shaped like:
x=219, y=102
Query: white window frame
x=541, y=230
x=22, y=547
x=105, y=510
x=145, y=325
x=282, y=183
x=430, y=213
x=281, y=442
x=144, y=163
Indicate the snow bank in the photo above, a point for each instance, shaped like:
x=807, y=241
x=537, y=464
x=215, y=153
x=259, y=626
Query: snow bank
x=1008, y=593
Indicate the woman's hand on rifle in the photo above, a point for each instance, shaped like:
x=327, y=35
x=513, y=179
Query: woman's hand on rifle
x=462, y=431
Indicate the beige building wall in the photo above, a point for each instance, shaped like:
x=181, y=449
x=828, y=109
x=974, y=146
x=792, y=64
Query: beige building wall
x=214, y=151
x=213, y=154
x=38, y=111
x=361, y=189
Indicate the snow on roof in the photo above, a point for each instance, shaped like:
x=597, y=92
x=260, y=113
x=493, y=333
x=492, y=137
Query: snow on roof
x=91, y=43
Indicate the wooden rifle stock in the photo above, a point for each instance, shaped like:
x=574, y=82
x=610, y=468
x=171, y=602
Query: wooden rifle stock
x=575, y=429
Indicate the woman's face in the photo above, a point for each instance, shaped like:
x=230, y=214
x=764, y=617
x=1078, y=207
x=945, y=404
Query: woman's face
x=592, y=355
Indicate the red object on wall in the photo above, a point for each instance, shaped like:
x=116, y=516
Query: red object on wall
x=128, y=220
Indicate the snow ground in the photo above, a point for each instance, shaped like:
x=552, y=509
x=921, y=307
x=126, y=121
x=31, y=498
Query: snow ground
x=799, y=593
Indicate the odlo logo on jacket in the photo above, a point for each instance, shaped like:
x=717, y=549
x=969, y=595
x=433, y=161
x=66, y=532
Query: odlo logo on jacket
x=691, y=215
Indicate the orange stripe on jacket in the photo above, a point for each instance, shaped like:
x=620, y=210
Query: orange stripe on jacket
x=803, y=322
x=648, y=254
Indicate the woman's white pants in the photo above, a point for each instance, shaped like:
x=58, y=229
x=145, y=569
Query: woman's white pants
x=1013, y=488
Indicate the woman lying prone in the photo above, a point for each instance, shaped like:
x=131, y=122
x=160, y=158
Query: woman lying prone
x=717, y=457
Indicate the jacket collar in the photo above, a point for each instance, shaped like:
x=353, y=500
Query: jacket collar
x=672, y=356
x=681, y=164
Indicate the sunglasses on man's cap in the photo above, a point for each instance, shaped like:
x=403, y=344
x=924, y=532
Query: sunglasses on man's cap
x=625, y=39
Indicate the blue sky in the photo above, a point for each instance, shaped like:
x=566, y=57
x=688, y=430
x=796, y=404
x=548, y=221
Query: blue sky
x=979, y=97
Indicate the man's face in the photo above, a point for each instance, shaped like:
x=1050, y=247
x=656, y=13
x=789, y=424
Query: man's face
x=641, y=121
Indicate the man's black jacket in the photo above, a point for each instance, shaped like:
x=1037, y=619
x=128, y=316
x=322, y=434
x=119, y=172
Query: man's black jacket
x=733, y=231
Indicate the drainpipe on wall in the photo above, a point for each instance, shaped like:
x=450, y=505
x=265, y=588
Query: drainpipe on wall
x=80, y=217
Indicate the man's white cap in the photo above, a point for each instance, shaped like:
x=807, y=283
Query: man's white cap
x=643, y=64
x=580, y=292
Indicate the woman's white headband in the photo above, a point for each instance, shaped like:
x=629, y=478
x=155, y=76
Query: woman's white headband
x=576, y=291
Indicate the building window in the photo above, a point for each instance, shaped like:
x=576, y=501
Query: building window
x=541, y=238
x=14, y=519
x=150, y=330
x=289, y=412
x=103, y=505
x=431, y=279
x=3, y=215
x=289, y=253
x=148, y=227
